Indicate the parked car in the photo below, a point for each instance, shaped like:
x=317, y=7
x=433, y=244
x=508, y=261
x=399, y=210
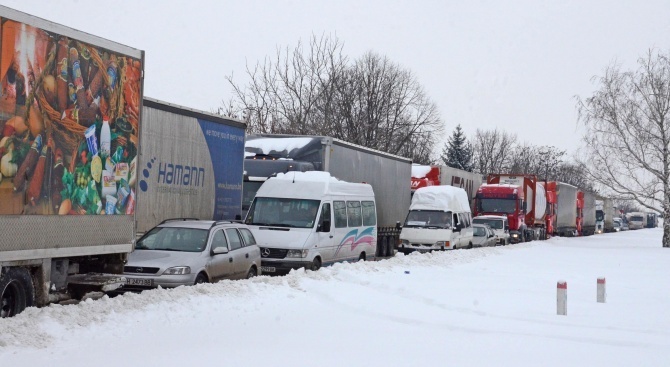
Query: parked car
x=189, y=251
x=483, y=236
x=499, y=225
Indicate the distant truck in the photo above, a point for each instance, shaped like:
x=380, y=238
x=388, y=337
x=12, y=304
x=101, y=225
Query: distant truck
x=604, y=215
x=568, y=212
x=388, y=174
x=652, y=220
x=435, y=175
x=523, y=199
x=589, y=214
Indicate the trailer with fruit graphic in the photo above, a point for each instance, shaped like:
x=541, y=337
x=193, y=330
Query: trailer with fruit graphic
x=70, y=116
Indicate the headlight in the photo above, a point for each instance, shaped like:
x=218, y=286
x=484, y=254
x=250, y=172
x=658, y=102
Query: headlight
x=515, y=235
x=297, y=253
x=177, y=270
x=442, y=243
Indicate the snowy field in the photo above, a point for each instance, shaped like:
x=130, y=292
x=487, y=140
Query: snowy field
x=481, y=307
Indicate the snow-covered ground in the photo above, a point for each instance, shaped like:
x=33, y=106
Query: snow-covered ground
x=481, y=307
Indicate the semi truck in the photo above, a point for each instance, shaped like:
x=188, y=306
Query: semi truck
x=434, y=175
x=604, y=215
x=568, y=211
x=78, y=181
x=388, y=174
x=652, y=220
x=523, y=199
x=589, y=214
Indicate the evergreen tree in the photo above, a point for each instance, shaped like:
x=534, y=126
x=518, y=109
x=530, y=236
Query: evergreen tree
x=457, y=152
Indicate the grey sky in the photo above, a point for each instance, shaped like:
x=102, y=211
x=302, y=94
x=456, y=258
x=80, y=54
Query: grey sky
x=515, y=65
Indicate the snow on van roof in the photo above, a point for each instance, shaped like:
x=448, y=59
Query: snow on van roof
x=420, y=171
x=442, y=197
x=501, y=185
x=309, y=176
x=267, y=145
x=313, y=185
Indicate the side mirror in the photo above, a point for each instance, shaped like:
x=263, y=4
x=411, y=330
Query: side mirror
x=324, y=226
x=506, y=228
x=397, y=225
x=220, y=250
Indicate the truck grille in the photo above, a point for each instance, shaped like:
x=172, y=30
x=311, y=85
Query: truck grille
x=273, y=253
x=140, y=270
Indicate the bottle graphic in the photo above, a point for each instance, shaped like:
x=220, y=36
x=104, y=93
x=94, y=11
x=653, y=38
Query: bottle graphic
x=105, y=139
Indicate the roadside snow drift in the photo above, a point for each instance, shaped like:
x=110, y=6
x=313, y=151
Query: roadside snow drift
x=490, y=306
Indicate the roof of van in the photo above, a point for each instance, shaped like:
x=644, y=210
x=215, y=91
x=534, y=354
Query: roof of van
x=314, y=185
x=442, y=197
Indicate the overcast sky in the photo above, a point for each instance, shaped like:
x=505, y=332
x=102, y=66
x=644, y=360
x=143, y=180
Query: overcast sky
x=515, y=65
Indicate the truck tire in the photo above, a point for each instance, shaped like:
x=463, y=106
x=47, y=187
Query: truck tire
x=389, y=247
x=16, y=292
x=382, y=248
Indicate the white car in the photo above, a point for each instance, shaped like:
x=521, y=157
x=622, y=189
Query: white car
x=483, y=236
x=499, y=225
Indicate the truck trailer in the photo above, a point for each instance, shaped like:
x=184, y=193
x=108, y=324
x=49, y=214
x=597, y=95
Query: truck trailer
x=527, y=203
x=70, y=112
x=388, y=174
x=604, y=215
x=567, y=211
x=434, y=175
x=589, y=214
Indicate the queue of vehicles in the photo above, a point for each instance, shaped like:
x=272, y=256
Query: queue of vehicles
x=104, y=190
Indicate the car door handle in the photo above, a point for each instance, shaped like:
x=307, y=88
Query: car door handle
x=331, y=236
x=230, y=260
x=246, y=255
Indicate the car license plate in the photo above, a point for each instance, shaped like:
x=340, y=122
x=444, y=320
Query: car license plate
x=268, y=269
x=138, y=281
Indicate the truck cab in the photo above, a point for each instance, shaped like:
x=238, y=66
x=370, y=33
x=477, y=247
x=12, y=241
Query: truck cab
x=507, y=200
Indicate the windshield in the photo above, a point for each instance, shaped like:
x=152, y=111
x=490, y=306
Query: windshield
x=428, y=219
x=496, y=205
x=174, y=239
x=479, y=231
x=636, y=218
x=249, y=190
x=600, y=215
x=280, y=212
x=493, y=223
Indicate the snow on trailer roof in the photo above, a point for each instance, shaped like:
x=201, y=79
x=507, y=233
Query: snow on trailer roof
x=267, y=145
x=443, y=197
x=420, y=170
x=312, y=185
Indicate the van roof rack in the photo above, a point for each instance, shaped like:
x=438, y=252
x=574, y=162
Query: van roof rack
x=177, y=219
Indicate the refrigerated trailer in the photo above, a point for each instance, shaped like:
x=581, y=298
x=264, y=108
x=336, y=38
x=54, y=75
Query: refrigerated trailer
x=70, y=114
x=388, y=174
x=566, y=210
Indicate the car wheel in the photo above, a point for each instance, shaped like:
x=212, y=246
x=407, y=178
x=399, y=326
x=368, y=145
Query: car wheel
x=469, y=245
x=361, y=257
x=252, y=272
x=201, y=278
x=316, y=264
x=16, y=292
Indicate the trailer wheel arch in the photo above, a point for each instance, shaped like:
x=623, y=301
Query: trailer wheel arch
x=16, y=291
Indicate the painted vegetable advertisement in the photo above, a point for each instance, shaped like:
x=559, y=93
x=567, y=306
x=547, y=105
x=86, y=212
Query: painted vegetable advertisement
x=69, y=117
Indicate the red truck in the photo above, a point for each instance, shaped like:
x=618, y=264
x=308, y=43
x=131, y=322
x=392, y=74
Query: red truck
x=434, y=175
x=528, y=204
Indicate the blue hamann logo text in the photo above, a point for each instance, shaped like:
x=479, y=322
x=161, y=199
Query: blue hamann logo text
x=174, y=174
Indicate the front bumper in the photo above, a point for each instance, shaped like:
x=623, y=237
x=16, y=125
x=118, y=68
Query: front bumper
x=283, y=266
x=165, y=281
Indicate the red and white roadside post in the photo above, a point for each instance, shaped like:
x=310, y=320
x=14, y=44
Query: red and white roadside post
x=562, y=298
x=601, y=290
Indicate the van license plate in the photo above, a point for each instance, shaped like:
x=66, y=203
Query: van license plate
x=142, y=282
x=268, y=269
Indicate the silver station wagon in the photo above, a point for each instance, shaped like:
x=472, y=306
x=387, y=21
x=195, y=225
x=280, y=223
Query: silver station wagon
x=190, y=251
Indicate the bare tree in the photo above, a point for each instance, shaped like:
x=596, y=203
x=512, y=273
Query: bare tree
x=628, y=134
x=372, y=101
x=491, y=150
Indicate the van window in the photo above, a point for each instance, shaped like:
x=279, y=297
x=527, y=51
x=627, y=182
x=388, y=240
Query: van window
x=340, y=214
x=325, y=213
x=354, y=213
x=369, y=214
